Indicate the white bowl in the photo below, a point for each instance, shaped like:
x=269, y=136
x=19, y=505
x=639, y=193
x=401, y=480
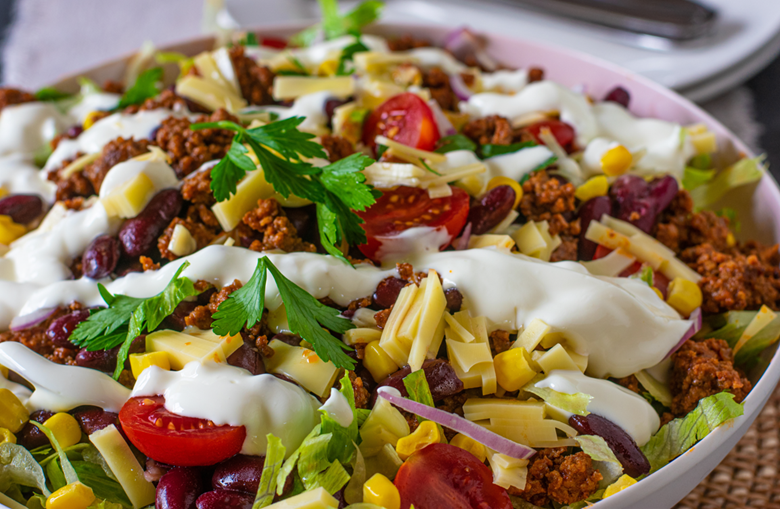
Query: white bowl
x=758, y=207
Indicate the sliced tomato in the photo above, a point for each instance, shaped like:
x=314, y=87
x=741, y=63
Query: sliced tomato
x=404, y=207
x=176, y=440
x=273, y=42
x=404, y=118
x=563, y=132
x=443, y=476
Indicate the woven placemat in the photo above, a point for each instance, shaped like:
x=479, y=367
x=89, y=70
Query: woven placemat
x=750, y=474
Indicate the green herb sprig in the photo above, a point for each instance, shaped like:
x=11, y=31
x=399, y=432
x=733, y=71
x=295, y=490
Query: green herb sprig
x=305, y=314
x=337, y=189
x=334, y=25
x=147, y=85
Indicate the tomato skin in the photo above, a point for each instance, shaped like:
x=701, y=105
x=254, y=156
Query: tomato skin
x=563, y=132
x=659, y=280
x=405, y=207
x=273, y=42
x=442, y=476
x=187, y=445
x=404, y=118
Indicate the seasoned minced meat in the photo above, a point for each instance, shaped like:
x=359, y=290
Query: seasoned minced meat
x=36, y=340
x=535, y=74
x=11, y=96
x=679, y=227
x=499, y=341
x=256, y=82
x=189, y=149
x=202, y=234
x=494, y=130
x=362, y=395
x=547, y=199
x=407, y=42
x=202, y=214
x=701, y=369
x=337, y=147
x=563, y=479
x=74, y=186
x=114, y=152
x=166, y=100
x=278, y=232
x=630, y=382
x=196, y=188
x=200, y=317
x=438, y=82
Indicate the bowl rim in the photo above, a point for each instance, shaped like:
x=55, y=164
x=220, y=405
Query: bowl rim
x=768, y=379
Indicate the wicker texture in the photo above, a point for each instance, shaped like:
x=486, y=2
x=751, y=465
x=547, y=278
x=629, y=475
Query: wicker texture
x=749, y=477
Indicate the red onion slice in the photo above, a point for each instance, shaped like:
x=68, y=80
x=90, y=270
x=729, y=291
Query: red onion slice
x=463, y=42
x=461, y=425
x=462, y=242
x=459, y=87
x=695, y=327
x=31, y=319
x=442, y=122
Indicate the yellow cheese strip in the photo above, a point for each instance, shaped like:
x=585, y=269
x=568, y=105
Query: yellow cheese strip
x=290, y=87
x=434, y=304
x=209, y=94
x=252, y=188
x=317, y=498
x=192, y=345
x=416, y=153
x=557, y=358
x=532, y=335
x=467, y=355
x=396, y=348
x=455, y=331
x=361, y=335
x=490, y=240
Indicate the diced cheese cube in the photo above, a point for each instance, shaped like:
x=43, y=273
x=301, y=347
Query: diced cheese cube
x=529, y=240
x=557, y=358
x=290, y=87
x=192, y=345
x=124, y=465
x=141, y=361
x=490, y=240
x=361, y=335
x=532, y=335
x=209, y=94
x=129, y=199
x=182, y=242
x=252, y=188
x=434, y=304
x=705, y=143
x=317, y=498
x=303, y=366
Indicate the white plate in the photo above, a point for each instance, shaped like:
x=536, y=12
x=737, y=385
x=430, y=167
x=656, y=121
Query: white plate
x=743, y=43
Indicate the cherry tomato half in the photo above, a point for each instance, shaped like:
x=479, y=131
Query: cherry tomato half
x=563, y=132
x=442, y=476
x=404, y=118
x=404, y=207
x=273, y=42
x=176, y=440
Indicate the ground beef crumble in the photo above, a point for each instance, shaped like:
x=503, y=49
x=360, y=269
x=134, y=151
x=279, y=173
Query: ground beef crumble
x=75, y=185
x=35, y=338
x=202, y=234
x=337, y=147
x=196, y=188
x=114, y=152
x=256, y=82
x=12, y=96
x=563, y=479
x=499, y=341
x=200, y=317
x=701, y=369
x=278, y=232
x=407, y=42
x=548, y=199
x=438, y=82
x=166, y=100
x=494, y=130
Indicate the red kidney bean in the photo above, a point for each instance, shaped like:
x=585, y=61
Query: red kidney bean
x=639, y=202
x=101, y=360
x=74, y=131
x=100, y=257
x=290, y=339
x=239, y=473
x=248, y=358
x=591, y=210
x=61, y=328
x=387, y=292
x=491, y=209
x=619, y=95
x=23, y=208
x=30, y=436
x=663, y=190
x=94, y=419
x=221, y=499
x=441, y=378
x=176, y=320
x=454, y=299
x=179, y=489
x=331, y=105
x=140, y=233
x=626, y=451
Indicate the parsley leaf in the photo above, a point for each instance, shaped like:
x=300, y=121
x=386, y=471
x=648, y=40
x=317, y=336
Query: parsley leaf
x=229, y=171
x=145, y=87
x=250, y=40
x=51, y=94
x=455, y=142
x=305, y=314
x=126, y=317
x=344, y=178
x=487, y=151
x=347, y=56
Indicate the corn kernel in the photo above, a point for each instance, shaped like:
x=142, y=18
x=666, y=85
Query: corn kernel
x=427, y=433
x=683, y=295
x=506, y=181
x=10, y=231
x=328, y=68
x=91, y=118
x=377, y=362
x=616, y=161
x=13, y=415
x=72, y=496
x=65, y=427
x=658, y=292
x=470, y=445
x=141, y=361
x=6, y=437
x=593, y=187
x=514, y=368
x=731, y=241
x=622, y=483
x=379, y=490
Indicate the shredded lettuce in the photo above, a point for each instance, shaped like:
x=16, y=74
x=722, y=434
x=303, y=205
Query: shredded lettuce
x=730, y=326
x=314, y=467
x=341, y=446
x=585, y=503
x=679, y=435
x=743, y=172
x=694, y=177
x=334, y=25
x=18, y=467
x=274, y=457
x=104, y=488
x=68, y=471
x=574, y=403
x=417, y=386
x=353, y=492
x=105, y=504
x=595, y=447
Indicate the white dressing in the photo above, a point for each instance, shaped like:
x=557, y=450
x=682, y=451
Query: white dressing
x=19, y=390
x=337, y=407
x=58, y=387
x=18, y=175
x=411, y=243
x=627, y=409
x=28, y=127
x=228, y=395
x=437, y=57
x=517, y=164
x=505, y=80
x=96, y=101
x=311, y=106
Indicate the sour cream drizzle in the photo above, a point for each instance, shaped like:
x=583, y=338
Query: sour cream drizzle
x=611, y=401
x=27, y=128
x=19, y=175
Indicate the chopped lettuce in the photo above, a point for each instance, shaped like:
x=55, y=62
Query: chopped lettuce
x=105, y=488
x=18, y=467
x=694, y=177
x=455, y=142
x=585, y=503
x=353, y=492
x=731, y=215
x=679, y=435
x=595, y=447
x=730, y=326
x=313, y=465
x=743, y=172
x=574, y=403
x=342, y=443
x=105, y=504
x=417, y=386
x=68, y=471
x=334, y=25
x=274, y=457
